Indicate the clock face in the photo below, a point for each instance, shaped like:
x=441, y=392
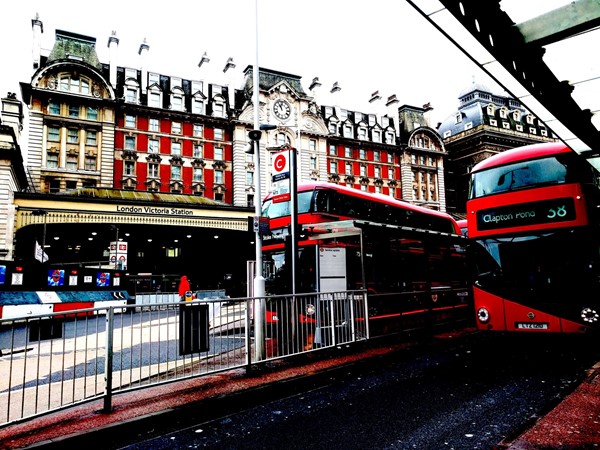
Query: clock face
x=281, y=109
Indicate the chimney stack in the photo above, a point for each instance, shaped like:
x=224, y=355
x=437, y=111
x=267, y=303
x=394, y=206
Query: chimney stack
x=143, y=52
x=38, y=30
x=113, y=45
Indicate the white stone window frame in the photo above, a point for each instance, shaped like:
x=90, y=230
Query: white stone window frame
x=198, y=130
x=176, y=148
x=129, y=168
x=132, y=91
x=153, y=170
x=219, y=134
x=176, y=128
x=130, y=121
x=153, y=146
x=155, y=94
x=198, y=150
x=177, y=99
x=153, y=124
x=219, y=153
x=176, y=172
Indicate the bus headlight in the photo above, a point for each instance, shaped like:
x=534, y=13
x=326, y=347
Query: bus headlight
x=483, y=315
x=589, y=315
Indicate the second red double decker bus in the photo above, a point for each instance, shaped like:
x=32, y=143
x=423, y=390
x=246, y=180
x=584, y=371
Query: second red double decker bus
x=533, y=223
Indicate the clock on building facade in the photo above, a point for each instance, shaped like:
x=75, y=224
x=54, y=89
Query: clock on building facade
x=281, y=109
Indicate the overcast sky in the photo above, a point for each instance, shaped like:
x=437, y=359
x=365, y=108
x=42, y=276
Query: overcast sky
x=379, y=45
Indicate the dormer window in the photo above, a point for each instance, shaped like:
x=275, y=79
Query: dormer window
x=177, y=99
x=517, y=116
x=458, y=118
x=491, y=110
x=503, y=113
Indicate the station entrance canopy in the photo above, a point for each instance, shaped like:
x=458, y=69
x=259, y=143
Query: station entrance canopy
x=116, y=206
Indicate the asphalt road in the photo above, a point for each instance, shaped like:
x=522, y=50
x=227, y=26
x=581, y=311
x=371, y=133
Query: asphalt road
x=470, y=393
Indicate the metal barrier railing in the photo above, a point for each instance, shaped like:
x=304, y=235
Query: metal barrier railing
x=57, y=360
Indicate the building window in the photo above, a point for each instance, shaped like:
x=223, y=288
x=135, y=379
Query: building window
x=54, y=108
x=73, y=136
x=54, y=134
x=280, y=139
x=249, y=178
x=176, y=127
x=129, y=143
x=52, y=160
x=362, y=154
x=362, y=133
x=376, y=155
x=332, y=149
x=53, y=186
x=333, y=127
x=175, y=172
x=313, y=163
x=389, y=137
x=152, y=170
x=198, y=130
x=91, y=137
x=347, y=131
x=197, y=106
x=72, y=162
x=506, y=125
x=92, y=113
x=71, y=83
x=129, y=168
x=70, y=185
x=176, y=102
x=348, y=168
x=153, y=78
x=312, y=145
x=218, y=134
x=129, y=121
x=250, y=199
x=153, y=125
x=176, y=148
x=198, y=151
x=348, y=152
x=376, y=136
x=73, y=110
x=529, y=119
x=152, y=145
x=218, y=110
x=363, y=170
x=218, y=154
x=503, y=113
x=90, y=162
x=131, y=95
x=219, y=176
x=197, y=174
x=154, y=100
x=377, y=172
x=493, y=122
x=332, y=167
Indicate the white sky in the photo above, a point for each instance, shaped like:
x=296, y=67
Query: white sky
x=379, y=45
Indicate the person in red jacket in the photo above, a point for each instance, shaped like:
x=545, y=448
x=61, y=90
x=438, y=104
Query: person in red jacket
x=184, y=286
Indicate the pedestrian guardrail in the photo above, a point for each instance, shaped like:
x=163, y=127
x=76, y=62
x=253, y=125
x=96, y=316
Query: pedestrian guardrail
x=56, y=360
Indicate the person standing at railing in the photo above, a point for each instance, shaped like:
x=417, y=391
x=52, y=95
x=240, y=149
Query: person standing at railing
x=185, y=291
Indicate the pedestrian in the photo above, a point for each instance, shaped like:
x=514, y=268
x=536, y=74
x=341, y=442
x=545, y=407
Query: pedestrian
x=184, y=286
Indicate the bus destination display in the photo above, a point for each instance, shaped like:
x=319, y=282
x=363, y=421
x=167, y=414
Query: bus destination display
x=534, y=213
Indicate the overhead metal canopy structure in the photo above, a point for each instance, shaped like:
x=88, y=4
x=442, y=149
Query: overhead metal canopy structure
x=543, y=53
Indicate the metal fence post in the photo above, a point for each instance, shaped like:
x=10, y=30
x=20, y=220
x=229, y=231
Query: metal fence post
x=108, y=361
x=248, y=319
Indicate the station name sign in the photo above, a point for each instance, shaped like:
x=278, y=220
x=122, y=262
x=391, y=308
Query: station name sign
x=155, y=210
x=534, y=213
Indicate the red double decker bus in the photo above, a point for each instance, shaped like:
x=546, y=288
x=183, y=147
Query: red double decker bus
x=533, y=219
x=411, y=260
